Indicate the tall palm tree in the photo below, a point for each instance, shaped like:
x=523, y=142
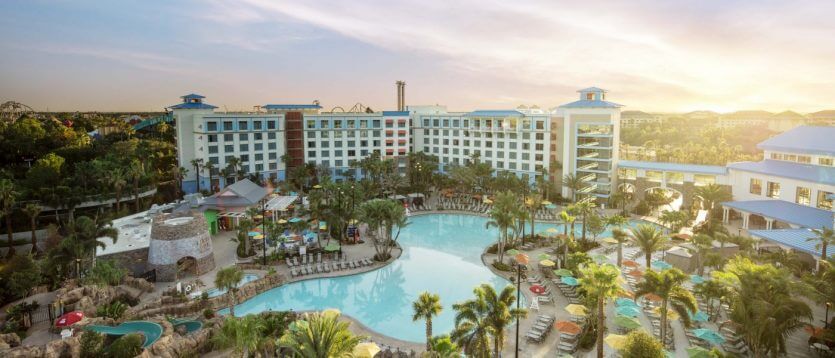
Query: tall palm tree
x=501, y=217
x=425, y=307
x=323, y=336
x=136, y=172
x=210, y=168
x=228, y=279
x=501, y=312
x=244, y=334
x=83, y=238
x=197, y=163
x=710, y=195
x=649, y=239
x=178, y=173
x=472, y=326
x=711, y=291
x=383, y=216
x=234, y=163
x=601, y=282
x=584, y=209
x=8, y=197
x=566, y=219
x=703, y=244
x=573, y=183
x=32, y=211
x=535, y=201
x=116, y=179
x=668, y=285
x=620, y=236
x=825, y=237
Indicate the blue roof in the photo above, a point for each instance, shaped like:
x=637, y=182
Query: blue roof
x=192, y=106
x=495, y=113
x=803, y=139
x=794, y=238
x=785, y=211
x=584, y=103
x=791, y=170
x=292, y=106
x=592, y=89
x=396, y=113
x=674, y=167
x=192, y=96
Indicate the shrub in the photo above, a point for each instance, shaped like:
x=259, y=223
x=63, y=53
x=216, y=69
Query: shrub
x=105, y=273
x=501, y=266
x=114, y=310
x=208, y=313
x=639, y=344
x=91, y=344
x=127, y=299
x=127, y=346
x=19, y=276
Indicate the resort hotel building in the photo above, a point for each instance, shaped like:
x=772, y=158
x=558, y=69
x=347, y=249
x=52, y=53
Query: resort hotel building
x=580, y=137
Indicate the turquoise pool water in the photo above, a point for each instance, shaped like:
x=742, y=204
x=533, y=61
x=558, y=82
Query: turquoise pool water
x=442, y=255
x=248, y=277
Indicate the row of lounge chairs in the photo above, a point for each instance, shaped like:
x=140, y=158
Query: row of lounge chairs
x=328, y=266
x=540, y=328
x=419, y=207
x=304, y=260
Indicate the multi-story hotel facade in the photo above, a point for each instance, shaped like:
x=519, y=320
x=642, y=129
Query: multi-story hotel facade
x=580, y=138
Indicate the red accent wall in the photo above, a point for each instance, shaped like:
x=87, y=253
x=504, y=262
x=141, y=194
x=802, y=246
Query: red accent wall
x=295, y=139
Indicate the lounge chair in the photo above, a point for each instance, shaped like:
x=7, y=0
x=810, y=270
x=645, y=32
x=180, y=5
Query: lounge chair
x=287, y=260
x=293, y=272
x=319, y=257
x=304, y=260
x=368, y=262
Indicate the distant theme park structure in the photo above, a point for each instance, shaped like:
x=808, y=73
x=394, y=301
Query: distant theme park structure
x=180, y=245
x=11, y=111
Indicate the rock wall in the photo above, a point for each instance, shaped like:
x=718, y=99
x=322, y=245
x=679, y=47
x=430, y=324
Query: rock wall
x=178, y=236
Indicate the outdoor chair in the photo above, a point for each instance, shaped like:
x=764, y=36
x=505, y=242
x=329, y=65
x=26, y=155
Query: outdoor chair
x=287, y=260
x=293, y=272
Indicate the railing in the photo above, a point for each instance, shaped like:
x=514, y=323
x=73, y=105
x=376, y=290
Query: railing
x=588, y=189
x=587, y=177
x=590, y=155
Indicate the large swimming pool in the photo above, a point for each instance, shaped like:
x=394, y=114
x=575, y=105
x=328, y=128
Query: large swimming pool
x=442, y=255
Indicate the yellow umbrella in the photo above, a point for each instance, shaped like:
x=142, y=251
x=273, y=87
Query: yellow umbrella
x=610, y=240
x=670, y=313
x=529, y=202
x=366, y=350
x=616, y=341
x=487, y=201
x=552, y=230
x=282, y=221
x=576, y=310
x=257, y=237
x=331, y=312
x=546, y=202
x=547, y=263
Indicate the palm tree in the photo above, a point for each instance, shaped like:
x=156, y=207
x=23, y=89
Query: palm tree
x=210, y=167
x=32, y=211
x=668, y=285
x=710, y=195
x=501, y=312
x=178, y=173
x=197, y=163
x=116, y=179
x=501, y=217
x=425, y=307
x=620, y=236
x=622, y=198
x=83, y=238
x=228, y=279
x=383, y=216
x=8, y=196
x=244, y=334
x=703, y=244
x=584, y=209
x=600, y=281
x=472, y=326
x=535, y=201
x=136, y=172
x=711, y=291
x=573, y=183
x=566, y=219
x=234, y=163
x=650, y=239
x=323, y=336
x=825, y=237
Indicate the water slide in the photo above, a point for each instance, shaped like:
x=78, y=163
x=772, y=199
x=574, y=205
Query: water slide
x=150, y=330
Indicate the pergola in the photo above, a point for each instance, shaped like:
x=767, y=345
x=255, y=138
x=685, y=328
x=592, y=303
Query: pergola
x=279, y=203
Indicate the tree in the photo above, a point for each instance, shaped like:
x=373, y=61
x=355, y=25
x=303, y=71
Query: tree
x=502, y=217
x=675, y=220
x=8, y=198
x=83, y=239
x=91, y=344
x=501, y=312
x=566, y=219
x=197, y=163
x=472, y=326
x=425, y=307
x=668, y=285
x=620, y=236
x=32, y=211
x=573, y=183
x=324, y=336
x=595, y=225
x=600, y=282
x=825, y=237
x=622, y=198
x=228, y=279
x=179, y=173
x=711, y=291
x=127, y=346
x=710, y=195
x=210, y=168
x=234, y=163
x=20, y=275
x=703, y=244
x=534, y=202
x=116, y=179
x=584, y=209
x=135, y=172
x=649, y=239
x=640, y=344
x=244, y=335
x=383, y=216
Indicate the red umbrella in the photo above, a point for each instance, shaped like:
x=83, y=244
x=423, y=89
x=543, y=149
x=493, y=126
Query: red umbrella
x=537, y=289
x=69, y=318
x=630, y=263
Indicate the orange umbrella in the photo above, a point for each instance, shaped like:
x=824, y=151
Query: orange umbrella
x=635, y=273
x=814, y=331
x=630, y=263
x=653, y=297
x=626, y=294
x=567, y=327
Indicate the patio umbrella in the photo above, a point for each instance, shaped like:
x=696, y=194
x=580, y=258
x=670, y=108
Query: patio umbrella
x=576, y=310
x=661, y=265
x=672, y=315
x=550, y=206
x=547, y=263
x=653, y=297
x=709, y=336
x=628, y=311
x=635, y=273
x=599, y=257
x=537, y=289
x=366, y=350
x=698, y=352
x=567, y=327
x=626, y=294
x=332, y=247
x=552, y=230
x=700, y=317
x=544, y=256
x=813, y=331
x=629, y=263
x=254, y=233
x=616, y=341
x=281, y=221
x=627, y=322
x=487, y=201
x=625, y=302
x=562, y=272
x=512, y=252
x=295, y=220
x=696, y=279
x=568, y=280
x=546, y=202
x=69, y=318
x=257, y=237
x=317, y=186
x=610, y=240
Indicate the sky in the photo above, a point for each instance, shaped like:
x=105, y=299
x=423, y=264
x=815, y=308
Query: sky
x=653, y=55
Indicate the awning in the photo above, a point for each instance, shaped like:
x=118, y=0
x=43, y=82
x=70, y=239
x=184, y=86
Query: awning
x=797, y=239
x=784, y=211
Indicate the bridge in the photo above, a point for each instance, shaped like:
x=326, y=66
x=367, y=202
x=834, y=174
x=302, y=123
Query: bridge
x=640, y=177
x=167, y=118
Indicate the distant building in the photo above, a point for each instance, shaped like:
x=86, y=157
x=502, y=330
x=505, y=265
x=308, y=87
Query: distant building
x=826, y=118
x=754, y=118
x=635, y=118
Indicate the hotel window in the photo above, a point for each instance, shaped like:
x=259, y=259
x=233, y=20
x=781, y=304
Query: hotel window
x=337, y=153
x=376, y=123
x=211, y=126
x=756, y=186
x=825, y=161
x=244, y=147
x=259, y=167
x=702, y=179
x=227, y=126
x=212, y=149
x=271, y=145
x=243, y=136
x=540, y=136
x=337, y=124
x=229, y=148
x=773, y=190
x=273, y=166
x=212, y=138
x=823, y=202
x=803, y=196
x=271, y=135
x=272, y=155
x=311, y=124
x=351, y=123
x=352, y=153
x=243, y=125
x=270, y=124
x=590, y=96
x=804, y=159
x=256, y=125
x=259, y=146
x=426, y=122
x=311, y=153
x=259, y=156
x=540, y=125
x=244, y=158
x=790, y=157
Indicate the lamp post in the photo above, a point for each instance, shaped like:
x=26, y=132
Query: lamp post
x=521, y=260
x=826, y=317
x=78, y=268
x=264, y=230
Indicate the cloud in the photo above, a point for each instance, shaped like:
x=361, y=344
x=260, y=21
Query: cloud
x=148, y=61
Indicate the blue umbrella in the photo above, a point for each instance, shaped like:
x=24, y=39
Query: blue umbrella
x=254, y=233
x=661, y=265
x=628, y=311
x=709, y=336
x=570, y=281
x=550, y=206
x=696, y=279
x=699, y=317
x=294, y=220
x=625, y=302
